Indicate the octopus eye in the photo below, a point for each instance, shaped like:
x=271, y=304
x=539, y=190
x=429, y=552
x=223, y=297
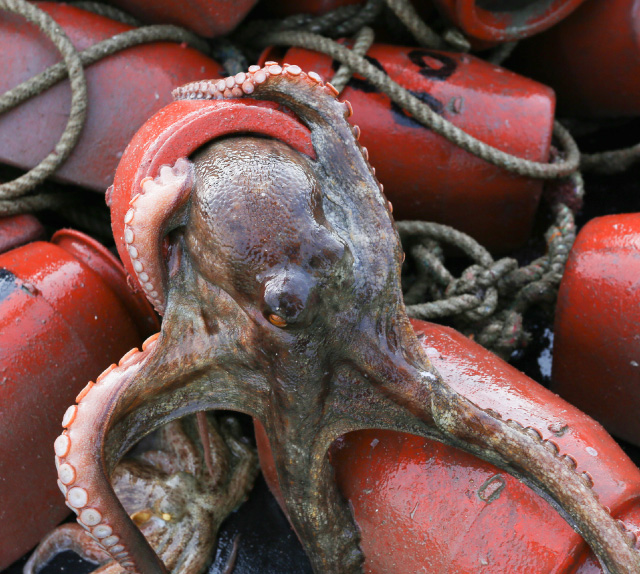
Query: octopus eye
x=277, y=320
x=285, y=296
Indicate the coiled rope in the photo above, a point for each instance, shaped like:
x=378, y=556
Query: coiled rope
x=13, y=194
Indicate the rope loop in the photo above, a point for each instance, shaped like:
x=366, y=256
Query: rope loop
x=14, y=196
x=77, y=115
x=489, y=297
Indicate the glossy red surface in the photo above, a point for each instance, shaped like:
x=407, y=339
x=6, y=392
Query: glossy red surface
x=180, y=129
x=63, y=319
x=596, y=356
x=425, y=176
x=124, y=90
x=206, y=17
x=491, y=21
x=426, y=507
x=592, y=59
x=17, y=230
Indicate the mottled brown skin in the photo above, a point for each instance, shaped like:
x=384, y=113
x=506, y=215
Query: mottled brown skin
x=283, y=301
x=167, y=489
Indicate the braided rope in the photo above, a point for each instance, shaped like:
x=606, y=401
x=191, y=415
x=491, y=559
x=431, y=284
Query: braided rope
x=73, y=66
x=426, y=116
x=407, y=14
x=610, y=162
x=78, y=113
x=29, y=203
x=363, y=41
x=490, y=297
x=54, y=74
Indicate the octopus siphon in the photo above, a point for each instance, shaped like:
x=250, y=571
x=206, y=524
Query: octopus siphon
x=278, y=277
x=177, y=493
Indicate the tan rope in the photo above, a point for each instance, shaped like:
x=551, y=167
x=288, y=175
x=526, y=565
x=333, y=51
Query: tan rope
x=610, y=162
x=363, y=41
x=77, y=115
x=29, y=203
x=407, y=14
x=426, y=116
x=72, y=66
x=52, y=75
x=490, y=297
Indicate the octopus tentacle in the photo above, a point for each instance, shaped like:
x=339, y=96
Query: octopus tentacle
x=109, y=417
x=65, y=537
x=88, y=490
x=507, y=444
x=540, y=461
x=215, y=450
x=247, y=464
x=314, y=504
x=153, y=213
x=196, y=544
x=180, y=453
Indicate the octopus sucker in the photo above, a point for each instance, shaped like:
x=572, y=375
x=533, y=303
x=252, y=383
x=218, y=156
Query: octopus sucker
x=171, y=477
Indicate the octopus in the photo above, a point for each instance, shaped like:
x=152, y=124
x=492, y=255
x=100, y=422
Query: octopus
x=176, y=491
x=278, y=277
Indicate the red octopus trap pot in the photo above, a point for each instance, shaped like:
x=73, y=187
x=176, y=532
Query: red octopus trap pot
x=592, y=60
x=596, y=354
x=490, y=21
x=18, y=230
x=66, y=312
x=208, y=18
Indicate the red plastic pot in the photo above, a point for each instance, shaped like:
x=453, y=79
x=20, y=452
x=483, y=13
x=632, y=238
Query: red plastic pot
x=424, y=175
x=205, y=17
x=596, y=355
x=592, y=59
x=124, y=90
x=490, y=21
x=425, y=507
x=18, y=230
x=66, y=313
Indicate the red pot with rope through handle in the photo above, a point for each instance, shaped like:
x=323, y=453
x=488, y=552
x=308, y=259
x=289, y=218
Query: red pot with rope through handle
x=124, y=90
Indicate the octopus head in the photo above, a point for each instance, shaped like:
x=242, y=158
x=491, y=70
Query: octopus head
x=258, y=231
